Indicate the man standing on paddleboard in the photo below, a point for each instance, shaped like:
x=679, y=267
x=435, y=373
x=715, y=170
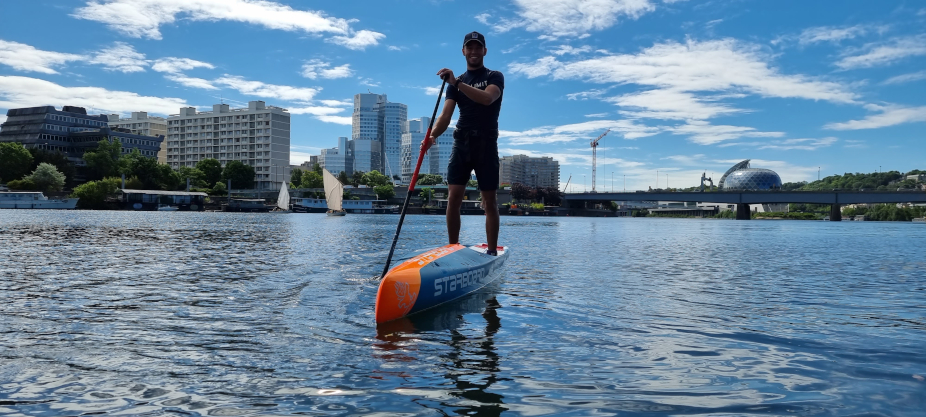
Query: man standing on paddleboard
x=478, y=92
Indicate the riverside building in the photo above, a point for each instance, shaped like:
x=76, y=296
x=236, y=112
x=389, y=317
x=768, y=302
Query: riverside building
x=337, y=159
x=377, y=126
x=70, y=131
x=438, y=156
x=142, y=124
x=530, y=171
x=258, y=136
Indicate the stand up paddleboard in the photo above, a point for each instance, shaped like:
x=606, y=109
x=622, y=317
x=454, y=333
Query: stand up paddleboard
x=435, y=277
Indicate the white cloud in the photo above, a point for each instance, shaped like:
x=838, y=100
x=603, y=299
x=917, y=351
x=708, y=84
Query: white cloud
x=704, y=133
x=574, y=17
x=175, y=65
x=670, y=104
x=340, y=120
x=315, y=110
x=906, y=78
x=883, y=53
x=431, y=91
x=800, y=144
x=585, y=95
x=18, y=92
x=316, y=68
x=582, y=159
x=260, y=89
x=396, y=48
x=191, y=81
x=831, y=34
x=337, y=103
x=121, y=57
x=24, y=57
x=889, y=116
x=143, y=18
x=357, y=41
x=597, y=115
x=368, y=82
x=570, y=50
x=720, y=65
x=575, y=131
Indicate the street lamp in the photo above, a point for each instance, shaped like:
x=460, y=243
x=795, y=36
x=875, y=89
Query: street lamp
x=612, y=181
x=625, y=182
x=584, y=187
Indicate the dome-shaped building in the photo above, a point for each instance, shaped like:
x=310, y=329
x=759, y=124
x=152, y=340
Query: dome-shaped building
x=742, y=177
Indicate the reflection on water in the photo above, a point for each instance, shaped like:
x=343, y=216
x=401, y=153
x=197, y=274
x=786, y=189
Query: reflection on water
x=251, y=314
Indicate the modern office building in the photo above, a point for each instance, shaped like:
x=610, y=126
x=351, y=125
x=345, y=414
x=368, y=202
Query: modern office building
x=338, y=159
x=437, y=158
x=530, y=171
x=70, y=131
x=258, y=135
x=376, y=133
x=142, y=124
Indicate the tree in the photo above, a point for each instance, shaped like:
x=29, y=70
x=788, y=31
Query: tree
x=56, y=158
x=384, y=192
x=520, y=191
x=211, y=169
x=311, y=179
x=472, y=183
x=357, y=178
x=15, y=161
x=93, y=194
x=342, y=178
x=169, y=179
x=24, y=184
x=143, y=167
x=218, y=189
x=46, y=177
x=553, y=196
x=317, y=168
x=426, y=194
x=134, y=183
x=105, y=160
x=197, y=178
x=295, y=179
x=430, y=179
x=375, y=178
x=241, y=175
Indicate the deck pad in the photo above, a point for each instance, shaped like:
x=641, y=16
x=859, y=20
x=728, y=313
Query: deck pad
x=436, y=277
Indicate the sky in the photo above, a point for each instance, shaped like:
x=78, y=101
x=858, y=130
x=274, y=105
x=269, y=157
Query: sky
x=685, y=87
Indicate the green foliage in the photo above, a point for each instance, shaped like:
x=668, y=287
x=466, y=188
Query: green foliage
x=317, y=168
x=134, y=183
x=520, y=192
x=537, y=206
x=887, y=212
x=241, y=175
x=46, y=177
x=134, y=164
x=472, y=183
x=15, y=161
x=357, y=178
x=791, y=186
x=430, y=179
x=93, y=194
x=169, y=179
x=218, y=189
x=639, y=213
x=197, y=178
x=56, y=158
x=426, y=194
x=384, y=192
x=105, y=161
x=857, y=181
x=295, y=178
x=809, y=208
x=374, y=179
x=211, y=169
x=24, y=184
x=782, y=215
x=342, y=178
x=312, y=179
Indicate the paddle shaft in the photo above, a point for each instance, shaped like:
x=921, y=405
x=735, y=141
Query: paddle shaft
x=411, y=186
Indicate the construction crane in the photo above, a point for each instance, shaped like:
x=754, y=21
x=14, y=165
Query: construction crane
x=595, y=157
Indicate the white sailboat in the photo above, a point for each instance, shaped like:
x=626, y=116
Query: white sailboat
x=283, y=200
x=334, y=192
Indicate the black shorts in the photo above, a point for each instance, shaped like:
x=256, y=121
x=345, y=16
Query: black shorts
x=474, y=151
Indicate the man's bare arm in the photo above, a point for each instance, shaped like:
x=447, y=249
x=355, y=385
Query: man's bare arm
x=487, y=97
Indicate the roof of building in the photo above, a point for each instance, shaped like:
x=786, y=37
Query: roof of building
x=161, y=192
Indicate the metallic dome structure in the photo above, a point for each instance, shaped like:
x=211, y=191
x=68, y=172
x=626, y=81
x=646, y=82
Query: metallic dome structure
x=742, y=177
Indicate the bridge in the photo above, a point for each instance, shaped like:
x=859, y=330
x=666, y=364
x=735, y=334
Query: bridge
x=743, y=199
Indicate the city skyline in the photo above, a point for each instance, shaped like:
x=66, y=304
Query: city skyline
x=685, y=87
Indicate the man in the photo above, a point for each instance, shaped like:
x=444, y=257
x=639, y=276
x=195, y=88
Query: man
x=478, y=92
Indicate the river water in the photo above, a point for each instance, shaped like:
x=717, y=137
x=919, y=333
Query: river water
x=220, y=314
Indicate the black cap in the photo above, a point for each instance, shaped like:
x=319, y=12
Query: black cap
x=474, y=36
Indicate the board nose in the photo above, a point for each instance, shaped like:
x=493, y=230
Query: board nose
x=397, y=294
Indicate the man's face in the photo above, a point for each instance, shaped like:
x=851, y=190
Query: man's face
x=474, y=53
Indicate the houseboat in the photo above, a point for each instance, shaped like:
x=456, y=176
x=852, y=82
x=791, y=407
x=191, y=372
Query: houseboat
x=160, y=200
x=319, y=205
x=33, y=200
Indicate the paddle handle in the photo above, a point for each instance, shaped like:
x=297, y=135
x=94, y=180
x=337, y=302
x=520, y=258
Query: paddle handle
x=411, y=186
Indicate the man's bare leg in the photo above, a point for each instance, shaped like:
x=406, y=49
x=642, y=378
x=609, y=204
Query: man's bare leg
x=491, y=207
x=454, y=201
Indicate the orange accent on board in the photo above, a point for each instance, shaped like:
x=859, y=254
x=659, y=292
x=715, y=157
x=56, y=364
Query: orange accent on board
x=400, y=287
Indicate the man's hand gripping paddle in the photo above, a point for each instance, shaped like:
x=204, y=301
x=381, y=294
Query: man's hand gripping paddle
x=411, y=187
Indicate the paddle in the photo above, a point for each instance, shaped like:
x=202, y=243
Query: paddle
x=411, y=186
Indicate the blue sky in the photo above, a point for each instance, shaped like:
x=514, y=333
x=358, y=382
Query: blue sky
x=685, y=86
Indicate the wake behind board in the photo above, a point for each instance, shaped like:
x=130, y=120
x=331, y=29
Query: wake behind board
x=435, y=277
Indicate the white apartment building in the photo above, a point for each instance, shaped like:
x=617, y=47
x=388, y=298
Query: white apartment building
x=437, y=158
x=142, y=124
x=258, y=135
x=532, y=172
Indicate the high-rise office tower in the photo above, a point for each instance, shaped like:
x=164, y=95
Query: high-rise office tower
x=376, y=134
x=438, y=156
